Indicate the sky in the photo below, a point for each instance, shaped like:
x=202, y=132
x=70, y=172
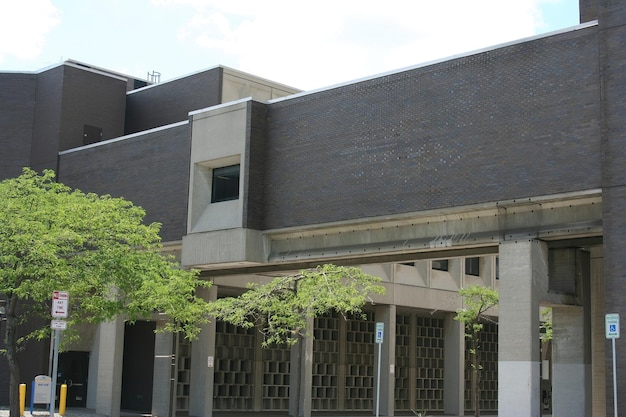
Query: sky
x=303, y=44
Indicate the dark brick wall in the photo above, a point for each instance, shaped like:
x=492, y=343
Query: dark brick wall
x=170, y=102
x=17, y=104
x=90, y=98
x=47, y=125
x=151, y=170
x=588, y=10
x=254, y=178
x=510, y=123
x=612, y=41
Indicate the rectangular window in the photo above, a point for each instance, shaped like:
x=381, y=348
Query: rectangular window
x=497, y=267
x=225, y=184
x=472, y=266
x=440, y=264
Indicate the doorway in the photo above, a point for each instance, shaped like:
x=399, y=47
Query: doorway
x=73, y=371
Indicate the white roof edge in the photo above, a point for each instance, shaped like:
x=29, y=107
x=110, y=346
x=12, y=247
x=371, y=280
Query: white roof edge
x=175, y=79
x=121, y=138
x=80, y=65
x=220, y=106
x=440, y=60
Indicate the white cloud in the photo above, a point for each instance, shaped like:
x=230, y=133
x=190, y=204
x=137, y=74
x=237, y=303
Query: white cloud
x=332, y=41
x=24, y=25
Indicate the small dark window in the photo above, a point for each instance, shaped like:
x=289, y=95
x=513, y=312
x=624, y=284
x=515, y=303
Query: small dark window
x=91, y=134
x=472, y=266
x=225, y=184
x=440, y=264
x=497, y=267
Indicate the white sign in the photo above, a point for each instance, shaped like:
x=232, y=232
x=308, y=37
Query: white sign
x=58, y=325
x=380, y=327
x=612, y=326
x=210, y=362
x=60, y=303
x=42, y=389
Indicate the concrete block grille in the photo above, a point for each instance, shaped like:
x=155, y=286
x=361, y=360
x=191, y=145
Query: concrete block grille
x=419, y=363
x=360, y=364
x=276, y=368
x=429, y=363
x=489, y=373
x=234, y=370
x=325, y=363
x=183, y=370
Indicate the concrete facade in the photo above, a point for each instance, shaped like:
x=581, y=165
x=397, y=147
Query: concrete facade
x=502, y=168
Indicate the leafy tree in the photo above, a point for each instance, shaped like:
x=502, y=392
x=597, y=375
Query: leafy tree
x=281, y=308
x=96, y=248
x=477, y=300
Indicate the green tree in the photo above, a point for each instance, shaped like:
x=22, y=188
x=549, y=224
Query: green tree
x=281, y=308
x=95, y=247
x=477, y=300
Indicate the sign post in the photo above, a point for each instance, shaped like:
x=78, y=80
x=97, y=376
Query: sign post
x=612, y=332
x=60, y=306
x=380, y=328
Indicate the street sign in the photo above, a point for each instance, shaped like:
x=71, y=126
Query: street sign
x=612, y=326
x=380, y=327
x=58, y=325
x=60, y=304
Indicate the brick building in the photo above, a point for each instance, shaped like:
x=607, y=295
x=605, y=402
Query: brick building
x=502, y=167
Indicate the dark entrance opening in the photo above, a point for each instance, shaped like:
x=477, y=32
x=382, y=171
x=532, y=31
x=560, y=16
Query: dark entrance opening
x=138, y=368
x=73, y=370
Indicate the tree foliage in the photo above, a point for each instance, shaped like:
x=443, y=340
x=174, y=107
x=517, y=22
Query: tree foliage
x=477, y=300
x=95, y=247
x=280, y=308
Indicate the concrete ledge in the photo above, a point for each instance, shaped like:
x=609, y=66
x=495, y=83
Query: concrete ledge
x=223, y=247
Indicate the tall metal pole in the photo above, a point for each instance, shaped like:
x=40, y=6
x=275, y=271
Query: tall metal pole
x=55, y=365
x=614, y=381
x=380, y=348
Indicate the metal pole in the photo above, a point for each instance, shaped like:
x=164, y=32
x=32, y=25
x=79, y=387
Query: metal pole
x=55, y=365
x=380, y=348
x=614, y=381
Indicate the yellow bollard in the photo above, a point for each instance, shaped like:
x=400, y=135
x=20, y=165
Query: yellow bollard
x=22, y=398
x=63, y=399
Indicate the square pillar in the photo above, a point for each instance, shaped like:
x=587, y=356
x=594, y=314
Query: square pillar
x=454, y=370
x=387, y=315
x=202, y=364
x=164, y=373
x=110, y=360
x=301, y=376
x=523, y=279
x=570, y=367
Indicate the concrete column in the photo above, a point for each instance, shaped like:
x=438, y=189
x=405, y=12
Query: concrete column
x=523, y=278
x=387, y=315
x=598, y=338
x=302, y=374
x=164, y=373
x=570, y=370
x=202, y=360
x=110, y=360
x=454, y=370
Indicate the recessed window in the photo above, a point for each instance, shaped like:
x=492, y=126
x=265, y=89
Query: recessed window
x=440, y=264
x=225, y=184
x=472, y=266
x=497, y=267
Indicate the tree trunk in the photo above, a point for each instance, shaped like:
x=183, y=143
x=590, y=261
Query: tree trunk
x=476, y=375
x=11, y=351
